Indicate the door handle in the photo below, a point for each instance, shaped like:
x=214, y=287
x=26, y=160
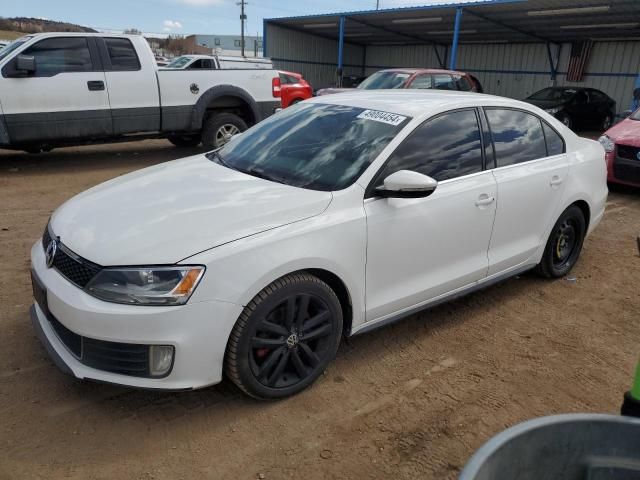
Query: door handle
x=555, y=181
x=484, y=200
x=95, y=85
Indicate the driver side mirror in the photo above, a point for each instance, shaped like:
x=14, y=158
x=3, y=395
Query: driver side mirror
x=407, y=184
x=26, y=64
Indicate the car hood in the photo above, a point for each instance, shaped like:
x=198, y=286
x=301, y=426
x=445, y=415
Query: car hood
x=329, y=91
x=546, y=104
x=166, y=213
x=626, y=132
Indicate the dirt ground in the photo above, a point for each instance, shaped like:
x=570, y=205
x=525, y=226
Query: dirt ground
x=413, y=400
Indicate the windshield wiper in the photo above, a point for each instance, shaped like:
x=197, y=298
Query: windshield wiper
x=253, y=171
x=219, y=159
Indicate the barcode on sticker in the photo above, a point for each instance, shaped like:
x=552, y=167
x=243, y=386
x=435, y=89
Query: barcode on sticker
x=384, y=117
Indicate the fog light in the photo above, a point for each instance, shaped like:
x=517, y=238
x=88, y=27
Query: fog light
x=160, y=359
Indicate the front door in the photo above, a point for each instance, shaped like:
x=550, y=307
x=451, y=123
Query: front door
x=65, y=98
x=420, y=249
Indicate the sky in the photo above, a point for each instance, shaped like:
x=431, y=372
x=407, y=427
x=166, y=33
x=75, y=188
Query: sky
x=184, y=16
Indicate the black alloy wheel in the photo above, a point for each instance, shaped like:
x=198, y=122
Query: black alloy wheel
x=564, y=244
x=285, y=337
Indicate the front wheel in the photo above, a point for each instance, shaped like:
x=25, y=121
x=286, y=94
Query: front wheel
x=218, y=128
x=285, y=337
x=564, y=244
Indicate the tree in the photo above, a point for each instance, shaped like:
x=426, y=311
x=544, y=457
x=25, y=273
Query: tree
x=132, y=31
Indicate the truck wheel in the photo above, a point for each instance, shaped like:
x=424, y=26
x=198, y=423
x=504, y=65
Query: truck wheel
x=185, y=140
x=218, y=129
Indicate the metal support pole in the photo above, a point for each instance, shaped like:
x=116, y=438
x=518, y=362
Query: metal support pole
x=264, y=38
x=456, y=36
x=552, y=66
x=340, y=52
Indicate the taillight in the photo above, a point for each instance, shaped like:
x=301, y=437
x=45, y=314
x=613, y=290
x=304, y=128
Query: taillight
x=276, y=89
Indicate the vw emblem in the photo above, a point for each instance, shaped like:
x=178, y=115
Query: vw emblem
x=50, y=253
x=292, y=340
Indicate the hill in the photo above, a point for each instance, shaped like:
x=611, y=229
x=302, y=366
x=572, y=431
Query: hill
x=21, y=25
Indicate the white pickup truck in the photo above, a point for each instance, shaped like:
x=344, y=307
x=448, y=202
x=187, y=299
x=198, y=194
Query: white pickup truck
x=60, y=89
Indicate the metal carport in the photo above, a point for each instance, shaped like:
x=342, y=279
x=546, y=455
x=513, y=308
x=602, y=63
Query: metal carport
x=513, y=46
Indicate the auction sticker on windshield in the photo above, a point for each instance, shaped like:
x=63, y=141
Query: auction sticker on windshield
x=384, y=117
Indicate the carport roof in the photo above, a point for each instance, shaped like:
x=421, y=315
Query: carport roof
x=485, y=21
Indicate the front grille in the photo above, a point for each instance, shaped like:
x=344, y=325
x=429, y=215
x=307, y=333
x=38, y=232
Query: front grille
x=73, y=267
x=628, y=152
x=122, y=358
x=626, y=172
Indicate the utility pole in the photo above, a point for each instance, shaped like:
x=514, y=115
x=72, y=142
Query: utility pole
x=243, y=17
x=377, y=4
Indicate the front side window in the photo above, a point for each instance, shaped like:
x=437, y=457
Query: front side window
x=122, y=54
x=61, y=55
x=380, y=80
x=517, y=136
x=444, y=147
x=179, y=62
x=422, y=81
x=443, y=82
x=312, y=145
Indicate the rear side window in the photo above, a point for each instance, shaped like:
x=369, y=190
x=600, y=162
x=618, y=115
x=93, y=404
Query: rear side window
x=555, y=143
x=444, y=147
x=61, y=55
x=288, y=79
x=443, y=82
x=422, y=81
x=517, y=136
x=122, y=54
x=462, y=83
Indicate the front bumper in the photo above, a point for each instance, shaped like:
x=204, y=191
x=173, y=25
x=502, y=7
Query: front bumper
x=198, y=331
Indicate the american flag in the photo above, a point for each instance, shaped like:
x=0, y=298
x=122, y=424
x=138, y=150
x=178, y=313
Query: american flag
x=578, y=62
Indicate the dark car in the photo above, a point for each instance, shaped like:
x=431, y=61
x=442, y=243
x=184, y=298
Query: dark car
x=424, y=78
x=576, y=107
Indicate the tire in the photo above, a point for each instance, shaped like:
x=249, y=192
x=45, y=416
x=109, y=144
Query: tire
x=185, y=140
x=564, y=244
x=218, y=128
x=273, y=351
x=566, y=120
x=607, y=121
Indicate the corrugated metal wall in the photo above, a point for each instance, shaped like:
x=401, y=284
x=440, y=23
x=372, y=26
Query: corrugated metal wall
x=312, y=56
x=511, y=70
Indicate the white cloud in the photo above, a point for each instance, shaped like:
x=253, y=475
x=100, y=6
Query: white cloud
x=171, y=25
x=201, y=3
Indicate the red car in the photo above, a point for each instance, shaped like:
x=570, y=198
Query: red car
x=425, y=78
x=622, y=144
x=294, y=88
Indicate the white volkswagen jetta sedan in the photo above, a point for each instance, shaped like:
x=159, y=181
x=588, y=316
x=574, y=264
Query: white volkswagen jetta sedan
x=333, y=217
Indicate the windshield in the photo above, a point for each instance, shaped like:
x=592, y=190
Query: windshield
x=178, y=62
x=12, y=46
x=384, y=80
x=315, y=146
x=554, y=94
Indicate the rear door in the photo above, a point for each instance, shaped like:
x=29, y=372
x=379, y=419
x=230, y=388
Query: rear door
x=133, y=86
x=531, y=171
x=65, y=98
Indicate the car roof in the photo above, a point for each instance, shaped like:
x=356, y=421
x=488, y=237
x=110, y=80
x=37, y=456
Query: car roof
x=422, y=70
x=415, y=103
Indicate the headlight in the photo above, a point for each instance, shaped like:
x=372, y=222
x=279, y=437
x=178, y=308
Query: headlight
x=608, y=144
x=553, y=111
x=146, y=285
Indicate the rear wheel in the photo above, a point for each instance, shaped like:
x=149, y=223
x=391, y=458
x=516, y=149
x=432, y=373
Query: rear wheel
x=564, y=244
x=285, y=337
x=185, y=140
x=218, y=129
